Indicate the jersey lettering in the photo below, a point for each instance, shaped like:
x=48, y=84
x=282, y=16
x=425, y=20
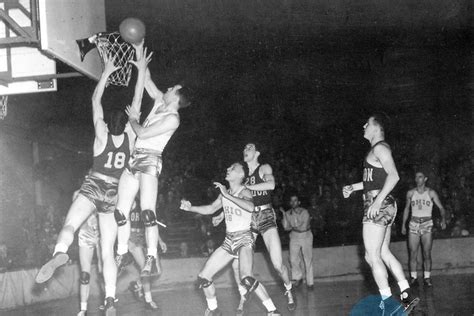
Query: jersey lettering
x=230, y=211
x=368, y=175
x=116, y=161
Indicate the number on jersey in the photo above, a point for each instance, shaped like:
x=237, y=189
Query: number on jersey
x=116, y=161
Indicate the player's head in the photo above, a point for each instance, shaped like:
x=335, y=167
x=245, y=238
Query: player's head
x=117, y=121
x=237, y=172
x=376, y=125
x=178, y=95
x=294, y=201
x=252, y=152
x=420, y=178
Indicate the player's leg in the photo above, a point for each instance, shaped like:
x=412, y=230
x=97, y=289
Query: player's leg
x=127, y=191
x=85, y=258
x=295, y=261
x=373, y=236
x=79, y=211
x=148, y=196
x=242, y=289
x=218, y=260
x=427, y=244
x=273, y=245
x=250, y=283
x=108, y=234
x=307, y=250
x=413, y=246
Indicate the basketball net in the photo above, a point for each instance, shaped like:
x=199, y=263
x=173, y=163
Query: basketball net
x=111, y=44
x=3, y=106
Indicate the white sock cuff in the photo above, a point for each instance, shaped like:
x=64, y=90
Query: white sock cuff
x=152, y=252
x=212, y=303
x=83, y=306
x=60, y=247
x=122, y=249
x=414, y=275
x=288, y=286
x=110, y=291
x=268, y=303
x=403, y=285
x=427, y=274
x=148, y=297
x=385, y=293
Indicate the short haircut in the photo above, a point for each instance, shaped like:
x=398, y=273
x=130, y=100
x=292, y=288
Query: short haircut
x=383, y=120
x=185, y=97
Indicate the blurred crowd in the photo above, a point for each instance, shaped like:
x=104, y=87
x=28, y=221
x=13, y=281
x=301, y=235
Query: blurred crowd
x=315, y=170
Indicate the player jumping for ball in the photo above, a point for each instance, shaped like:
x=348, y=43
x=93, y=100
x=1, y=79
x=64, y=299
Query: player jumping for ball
x=145, y=167
x=379, y=178
x=239, y=241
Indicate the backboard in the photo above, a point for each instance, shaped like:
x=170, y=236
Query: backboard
x=62, y=22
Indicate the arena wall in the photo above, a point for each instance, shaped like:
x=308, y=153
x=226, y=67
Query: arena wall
x=17, y=288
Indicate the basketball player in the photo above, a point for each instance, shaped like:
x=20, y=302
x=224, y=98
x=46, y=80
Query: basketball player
x=239, y=242
x=379, y=178
x=145, y=167
x=421, y=201
x=135, y=245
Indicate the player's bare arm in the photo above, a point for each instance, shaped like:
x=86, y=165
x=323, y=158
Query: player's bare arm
x=167, y=124
x=244, y=201
x=97, y=110
x=442, y=211
x=285, y=222
x=204, y=209
x=267, y=175
x=141, y=64
x=406, y=211
x=151, y=88
x=348, y=189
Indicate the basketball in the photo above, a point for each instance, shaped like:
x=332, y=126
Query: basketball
x=132, y=30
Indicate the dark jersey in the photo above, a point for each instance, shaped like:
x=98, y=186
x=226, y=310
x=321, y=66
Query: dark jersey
x=373, y=177
x=259, y=197
x=135, y=219
x=112, y=160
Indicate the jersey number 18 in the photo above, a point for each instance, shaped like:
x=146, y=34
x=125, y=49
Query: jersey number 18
x=117, y=161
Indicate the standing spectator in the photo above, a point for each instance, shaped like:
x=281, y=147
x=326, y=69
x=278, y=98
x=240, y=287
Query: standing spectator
x=297, y=220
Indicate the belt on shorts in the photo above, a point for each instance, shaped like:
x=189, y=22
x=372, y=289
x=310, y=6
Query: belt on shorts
x=372, y=194
x=420, y=219
x=263, y=207
x=104, y=177
x=136, y=230
x=147, y=151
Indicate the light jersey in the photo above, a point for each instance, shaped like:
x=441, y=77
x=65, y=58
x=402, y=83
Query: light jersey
x=259, y=197
x=112, y=160
x=421, y=204
x=236, y=219
x=156, y=143
x=373, y=177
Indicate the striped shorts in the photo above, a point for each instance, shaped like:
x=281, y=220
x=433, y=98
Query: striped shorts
x=145, y=161
x=236, y=240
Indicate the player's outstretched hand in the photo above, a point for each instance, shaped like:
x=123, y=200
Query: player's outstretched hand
x=185, y=205
x=347, y=191
x=142, y=59
x=133, y=114
x=109, y=65
x=216, y=220
x=221, y=187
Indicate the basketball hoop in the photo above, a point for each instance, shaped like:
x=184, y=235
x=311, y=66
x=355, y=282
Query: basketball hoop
x=111, y=44
x=3, y=106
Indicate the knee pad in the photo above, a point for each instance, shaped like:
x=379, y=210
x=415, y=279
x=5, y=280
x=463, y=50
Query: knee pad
x=149, y=218
x=85, y=278
x=203, y=283
x=249, y=283
x=119, y=217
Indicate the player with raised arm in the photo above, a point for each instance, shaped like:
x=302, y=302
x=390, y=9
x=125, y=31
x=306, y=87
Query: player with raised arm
x=261, y=183
x=145, y=167
x=239, y=241
x=379, y=178
x=420, y=227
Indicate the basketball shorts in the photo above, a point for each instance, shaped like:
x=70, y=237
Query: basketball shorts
x=101, y=193
x=420, y=225
x=234, y=241
x=137, y=236
x=387, y=214
x=146, y=161
x=88, y=235
x=263, y=220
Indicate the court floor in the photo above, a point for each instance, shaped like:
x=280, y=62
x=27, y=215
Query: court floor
x=450, y=295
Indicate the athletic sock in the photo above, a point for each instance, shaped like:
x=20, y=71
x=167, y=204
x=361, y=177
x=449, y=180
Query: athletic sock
x=414, y=275
x=288, y=286
x=403, y=285
x=83, y=306
x=427, y=274
x=268, y=303
x=152, y=252
x=148, y=298
x=385, y=293
x=60, y=247
x=110, y=291
x=122, y=249
x=211, y=303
